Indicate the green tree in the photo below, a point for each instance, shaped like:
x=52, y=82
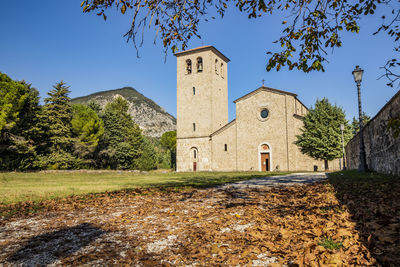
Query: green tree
x=94, y=106
x=87, y=128
x=355, y=124
x=12, y=99
x=56, y=121
x=18, y=144
x=122, y=142
x=148, y=158
x=27, y=134
x=168, y=142
x=321, y=134
x=29, y=117
x=58, y=113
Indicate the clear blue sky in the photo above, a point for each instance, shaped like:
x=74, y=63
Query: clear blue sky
x=44, y=42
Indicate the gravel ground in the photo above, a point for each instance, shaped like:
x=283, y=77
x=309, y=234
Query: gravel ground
x=280, y=180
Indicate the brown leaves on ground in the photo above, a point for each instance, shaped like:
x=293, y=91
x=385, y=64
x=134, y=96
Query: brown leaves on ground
x=374, y=203
x=210, y=227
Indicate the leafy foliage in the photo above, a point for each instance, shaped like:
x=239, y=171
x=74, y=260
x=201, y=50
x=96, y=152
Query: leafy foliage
x=355, y=124
x=57, y=117
x=60, y=135
x=168, y=142
x=12, y=98
x=122, y=141
x=94, y=106
x=19, y=144
x=148, y=158
x=330, y=244
x=88, y=129
x=321, y=135
x=28, y=124
x=313, y=26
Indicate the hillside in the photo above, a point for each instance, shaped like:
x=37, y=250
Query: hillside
x=151, y=118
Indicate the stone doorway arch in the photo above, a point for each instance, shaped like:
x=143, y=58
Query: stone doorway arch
x=264, y=157
x=194, y=159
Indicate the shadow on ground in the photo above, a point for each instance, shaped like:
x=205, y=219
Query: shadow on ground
x=203, y=180
x=245, y=180
x=45, y=249
x=282, y=180
x=374, y=203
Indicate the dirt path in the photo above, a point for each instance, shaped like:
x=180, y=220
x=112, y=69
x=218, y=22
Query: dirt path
x=280, y=180
x=252, y=223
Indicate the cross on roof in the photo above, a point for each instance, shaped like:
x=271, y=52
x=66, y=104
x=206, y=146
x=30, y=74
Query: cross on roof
x=262, y=81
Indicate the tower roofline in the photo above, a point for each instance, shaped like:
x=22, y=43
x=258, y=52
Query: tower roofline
x=203, y=48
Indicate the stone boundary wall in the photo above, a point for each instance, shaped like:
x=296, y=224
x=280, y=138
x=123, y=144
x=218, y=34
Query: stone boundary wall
x=381, y=148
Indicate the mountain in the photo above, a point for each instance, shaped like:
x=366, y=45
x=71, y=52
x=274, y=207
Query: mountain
x=151, y=118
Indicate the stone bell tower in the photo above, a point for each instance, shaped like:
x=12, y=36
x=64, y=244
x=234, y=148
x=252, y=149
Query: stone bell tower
x=202, y=104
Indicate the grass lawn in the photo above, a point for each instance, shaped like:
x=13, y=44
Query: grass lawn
x=36, y=186
x=355, y=177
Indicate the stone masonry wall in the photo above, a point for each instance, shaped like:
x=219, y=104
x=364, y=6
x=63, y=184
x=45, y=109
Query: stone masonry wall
x=382, y=149
x=202, y=107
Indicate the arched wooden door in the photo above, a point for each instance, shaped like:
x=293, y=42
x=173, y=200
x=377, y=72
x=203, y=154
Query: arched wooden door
x=264, y=151
x=265, y=162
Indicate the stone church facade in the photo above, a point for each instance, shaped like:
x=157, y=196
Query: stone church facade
x=262, y=136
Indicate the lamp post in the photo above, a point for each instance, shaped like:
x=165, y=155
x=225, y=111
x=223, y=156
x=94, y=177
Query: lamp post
x=357, y=74
x=344, y=158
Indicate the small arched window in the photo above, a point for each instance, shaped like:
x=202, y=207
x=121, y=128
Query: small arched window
x=199, y=64
x=188, y=66
x=194, y=91
x=226, y=147
x=194, y=127
x=222, y=70
x=216, y=66
x=194, y=153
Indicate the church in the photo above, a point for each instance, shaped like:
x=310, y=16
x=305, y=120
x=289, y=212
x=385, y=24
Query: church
x=262, y=136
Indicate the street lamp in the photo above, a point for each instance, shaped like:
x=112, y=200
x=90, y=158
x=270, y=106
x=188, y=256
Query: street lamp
x=344, y=160
x=357, y=74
